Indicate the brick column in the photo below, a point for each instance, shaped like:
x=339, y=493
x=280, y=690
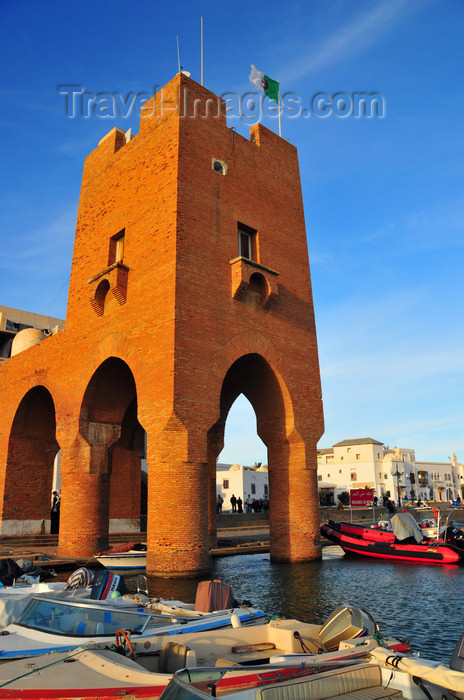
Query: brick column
x=125, y=490
x=85, y=487
x=177, y=527
x=294, y=504
x=215, y=445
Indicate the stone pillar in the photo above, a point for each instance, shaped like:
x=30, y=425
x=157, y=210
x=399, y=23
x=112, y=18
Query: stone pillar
x=294, y=505
x=85, y=487
x=177, y=513
x=215, y=445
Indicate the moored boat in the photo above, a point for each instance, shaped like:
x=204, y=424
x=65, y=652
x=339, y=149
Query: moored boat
x=380, y=675
x=98, y=672
x=50, y=624
x=406, y=542
x=125, y=559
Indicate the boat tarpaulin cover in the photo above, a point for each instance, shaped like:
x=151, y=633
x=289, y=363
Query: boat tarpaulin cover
x=404, y=525
x=428, y=671
x=213, y=595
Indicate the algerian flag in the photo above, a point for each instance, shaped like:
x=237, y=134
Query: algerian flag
x=265, y=84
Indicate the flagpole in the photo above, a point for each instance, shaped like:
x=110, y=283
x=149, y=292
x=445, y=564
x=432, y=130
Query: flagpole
x=202, y=50
x=280, y=125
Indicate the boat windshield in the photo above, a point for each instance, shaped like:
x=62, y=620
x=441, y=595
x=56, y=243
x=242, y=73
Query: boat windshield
x=79, y=620
x=191, y=684
x=202, y=682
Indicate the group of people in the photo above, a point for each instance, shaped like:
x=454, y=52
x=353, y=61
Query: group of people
x=252, y=505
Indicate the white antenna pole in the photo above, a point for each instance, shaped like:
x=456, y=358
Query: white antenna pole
x=178, y=55
x=279, y=104
x=202, y=50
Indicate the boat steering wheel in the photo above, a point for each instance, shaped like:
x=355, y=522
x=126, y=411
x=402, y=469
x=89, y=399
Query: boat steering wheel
x=123, y=634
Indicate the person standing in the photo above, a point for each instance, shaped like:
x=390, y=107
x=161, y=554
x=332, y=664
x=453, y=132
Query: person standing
x=248, y=504
x=239, y=505
x=233, y=503
x=55, y=514
x=219, y=502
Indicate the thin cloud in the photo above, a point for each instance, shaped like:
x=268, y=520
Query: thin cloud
x=48, y=240
x=364, y=31
x=427, y=229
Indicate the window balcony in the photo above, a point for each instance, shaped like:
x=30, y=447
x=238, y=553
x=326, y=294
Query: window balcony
x=112, y=279
x=250, y=277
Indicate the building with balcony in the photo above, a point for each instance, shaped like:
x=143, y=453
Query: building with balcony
x=391, y=472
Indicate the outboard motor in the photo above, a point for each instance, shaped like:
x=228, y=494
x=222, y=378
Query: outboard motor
x=106, y=584
x=454, y=537
x=346, y=622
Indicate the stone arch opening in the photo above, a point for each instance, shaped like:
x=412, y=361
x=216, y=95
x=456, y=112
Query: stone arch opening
x=101, y=480
x=252, y=376
x=257, y=291
x=32, y=450
x=292, y=485
x=98, y=301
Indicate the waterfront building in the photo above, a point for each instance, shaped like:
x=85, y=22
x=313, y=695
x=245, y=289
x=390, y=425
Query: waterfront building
x=241, y=481
x=391, y=472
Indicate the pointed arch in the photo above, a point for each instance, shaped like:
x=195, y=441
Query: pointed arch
x=32, y=448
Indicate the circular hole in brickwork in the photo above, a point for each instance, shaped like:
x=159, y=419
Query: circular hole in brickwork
x=219, y=166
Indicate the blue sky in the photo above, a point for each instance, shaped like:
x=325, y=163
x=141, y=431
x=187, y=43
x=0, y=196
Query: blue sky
x=383, y=196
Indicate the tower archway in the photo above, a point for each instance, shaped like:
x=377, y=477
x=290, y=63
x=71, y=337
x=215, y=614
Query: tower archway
x=105, y=461
x=293, y=517
x=32, y=449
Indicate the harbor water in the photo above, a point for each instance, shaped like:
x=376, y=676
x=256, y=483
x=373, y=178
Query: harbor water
x=420, y=603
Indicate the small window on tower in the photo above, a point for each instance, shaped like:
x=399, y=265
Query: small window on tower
x=116, y=253
x=246, y=242
x=219, y=166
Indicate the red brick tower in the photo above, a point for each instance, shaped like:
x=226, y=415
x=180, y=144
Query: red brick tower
x=190, y=285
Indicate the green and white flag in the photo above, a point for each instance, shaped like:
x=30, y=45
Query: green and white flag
x=265, y=84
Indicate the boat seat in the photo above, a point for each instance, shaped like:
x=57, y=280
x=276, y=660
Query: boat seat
x=174, y=656
x=362, y=682
x=226, y=662
x=87, y=629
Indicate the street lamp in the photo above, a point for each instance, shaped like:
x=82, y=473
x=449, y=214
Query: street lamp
x=396, y=472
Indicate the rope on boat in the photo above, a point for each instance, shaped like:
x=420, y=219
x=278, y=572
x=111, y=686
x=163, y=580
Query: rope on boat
x=381, y=640
x=35, y=669
x=245, y=607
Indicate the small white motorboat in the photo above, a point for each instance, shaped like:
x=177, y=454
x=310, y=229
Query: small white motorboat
x=132, y=561
x=380, y=675
x=50, y=624
x=97, y=672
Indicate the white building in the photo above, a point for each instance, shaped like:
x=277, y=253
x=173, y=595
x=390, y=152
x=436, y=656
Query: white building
x=368, y=463
x=241, y=481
